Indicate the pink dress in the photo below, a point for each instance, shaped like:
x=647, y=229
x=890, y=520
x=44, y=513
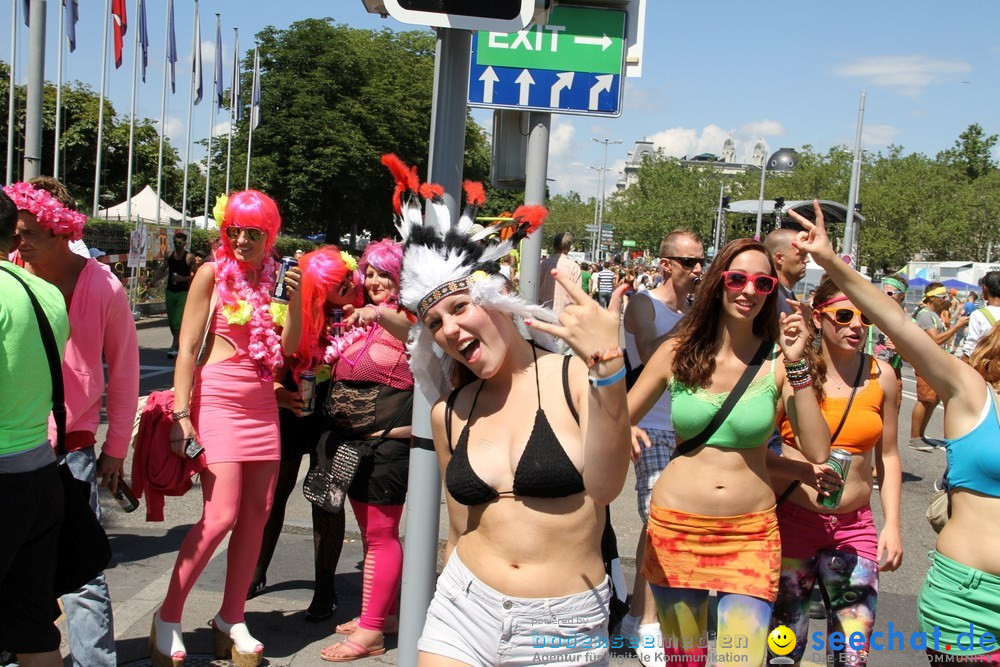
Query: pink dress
x=234, y=411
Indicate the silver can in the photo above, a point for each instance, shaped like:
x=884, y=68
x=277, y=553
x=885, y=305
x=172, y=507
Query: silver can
x=840, y=460
x=280, y=291
x=307, y=392
x=336, y=322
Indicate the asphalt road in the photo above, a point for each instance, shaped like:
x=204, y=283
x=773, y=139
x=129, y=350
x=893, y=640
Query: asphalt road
x=144, y=555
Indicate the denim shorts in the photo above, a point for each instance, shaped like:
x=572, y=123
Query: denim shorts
x=470, y=622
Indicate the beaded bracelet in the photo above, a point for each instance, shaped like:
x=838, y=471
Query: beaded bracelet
x=801, y=364
x=617, y=376
x=606, y=355
x=800, y=384
x=378, y=311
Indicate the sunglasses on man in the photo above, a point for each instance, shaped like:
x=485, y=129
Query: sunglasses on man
x=735, y=281
x=688, y=262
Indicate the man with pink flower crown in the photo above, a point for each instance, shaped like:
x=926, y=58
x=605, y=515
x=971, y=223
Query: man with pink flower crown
x=101, y=330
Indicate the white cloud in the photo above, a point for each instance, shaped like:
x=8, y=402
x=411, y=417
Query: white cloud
x=681, y=141
x=878, y=135
x=221, y=129
x=909, y=75
x=762, y=128
x=174, y=129
x=562, y=142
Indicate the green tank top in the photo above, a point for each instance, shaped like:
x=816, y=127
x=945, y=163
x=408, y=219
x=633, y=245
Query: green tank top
x=750, y=423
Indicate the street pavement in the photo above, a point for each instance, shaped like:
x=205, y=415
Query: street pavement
x=144, y=554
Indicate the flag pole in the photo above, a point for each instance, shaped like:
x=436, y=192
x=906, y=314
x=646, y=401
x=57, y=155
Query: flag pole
x=100, y=109
x=59, y=80
x=163, y=113
x=232, y=102
x=10, y=103
x=254, y=93
x=187, y=137
x=134, y=278
x=211, y=122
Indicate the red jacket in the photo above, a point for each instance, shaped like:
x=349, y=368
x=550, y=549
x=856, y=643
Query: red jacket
x=157, y=471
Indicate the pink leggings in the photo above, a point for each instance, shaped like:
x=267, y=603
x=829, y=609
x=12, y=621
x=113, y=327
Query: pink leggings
x=383, y=561
x=227, y=508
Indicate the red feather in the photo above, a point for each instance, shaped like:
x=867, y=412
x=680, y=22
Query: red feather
x=475, y=193
x=530, y=218
x=402, y=174
x=432, y=191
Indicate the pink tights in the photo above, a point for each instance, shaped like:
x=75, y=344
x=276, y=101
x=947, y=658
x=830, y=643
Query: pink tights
x=383, y=561
x=227, y=508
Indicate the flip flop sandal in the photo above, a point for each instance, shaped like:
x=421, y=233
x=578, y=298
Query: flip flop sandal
x=361, y=652
x=350, y=626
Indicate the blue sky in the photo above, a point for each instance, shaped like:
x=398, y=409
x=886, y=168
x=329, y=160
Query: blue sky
x=785, y=71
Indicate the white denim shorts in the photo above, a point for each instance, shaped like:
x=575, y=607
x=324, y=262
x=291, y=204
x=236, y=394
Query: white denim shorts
x=475, y=624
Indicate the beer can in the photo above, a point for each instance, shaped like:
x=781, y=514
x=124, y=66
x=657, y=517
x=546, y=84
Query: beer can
x=280, y=291
x=840, y=461
x=336, y=322
x=307, y=391
x=126, y=499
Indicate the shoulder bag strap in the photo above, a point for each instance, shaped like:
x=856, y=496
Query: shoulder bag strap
x=734, y=397
x=988, y=315
x=55, y=365
x=865, y=361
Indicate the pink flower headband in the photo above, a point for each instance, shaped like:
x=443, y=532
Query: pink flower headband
x=51, y=215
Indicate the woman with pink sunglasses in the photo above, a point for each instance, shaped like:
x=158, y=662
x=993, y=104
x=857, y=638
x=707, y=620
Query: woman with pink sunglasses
x=712, y=523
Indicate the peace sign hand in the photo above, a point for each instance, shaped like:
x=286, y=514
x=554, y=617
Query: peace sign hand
x=584, y=325
x=814, y=239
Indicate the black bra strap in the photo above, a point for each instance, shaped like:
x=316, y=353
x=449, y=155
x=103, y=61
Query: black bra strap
x=538, y=387
x=449, y=408
x=565, y=380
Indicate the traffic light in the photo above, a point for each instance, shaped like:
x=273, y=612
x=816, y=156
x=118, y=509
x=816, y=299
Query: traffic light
x=725, y=202
x=779, y=203
x=495, y=15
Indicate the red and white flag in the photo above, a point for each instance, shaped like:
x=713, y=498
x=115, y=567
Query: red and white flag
x=121, y=27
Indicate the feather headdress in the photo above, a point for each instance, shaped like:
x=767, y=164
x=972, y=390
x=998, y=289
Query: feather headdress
x=440, y=259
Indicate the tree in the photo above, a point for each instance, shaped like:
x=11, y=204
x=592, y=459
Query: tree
x=333, y=100
x=972, y=152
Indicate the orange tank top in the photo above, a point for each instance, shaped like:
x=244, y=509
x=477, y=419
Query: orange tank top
x=863, y=428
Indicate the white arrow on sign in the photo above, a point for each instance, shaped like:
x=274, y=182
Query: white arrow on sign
x=603, y=42
x=564, y=80
x=525, y=81
x=488, y=78
x=603, y=85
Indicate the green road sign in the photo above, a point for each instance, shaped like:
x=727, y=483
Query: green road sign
x=575, y=39
x=607, y=226
x=628, y=244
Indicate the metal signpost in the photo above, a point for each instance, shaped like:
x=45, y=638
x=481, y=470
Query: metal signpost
x=571, y=64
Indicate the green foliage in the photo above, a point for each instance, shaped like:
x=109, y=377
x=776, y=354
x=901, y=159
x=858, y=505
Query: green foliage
x=972, y=152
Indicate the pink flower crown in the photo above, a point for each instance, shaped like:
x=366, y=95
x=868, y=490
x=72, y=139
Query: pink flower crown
x=51, y=215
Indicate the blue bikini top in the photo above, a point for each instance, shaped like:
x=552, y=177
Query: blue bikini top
x=974, y=458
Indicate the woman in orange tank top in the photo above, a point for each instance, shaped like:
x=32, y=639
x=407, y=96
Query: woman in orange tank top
x=838, y=548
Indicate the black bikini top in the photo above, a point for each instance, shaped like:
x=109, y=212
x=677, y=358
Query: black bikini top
x=544, y=471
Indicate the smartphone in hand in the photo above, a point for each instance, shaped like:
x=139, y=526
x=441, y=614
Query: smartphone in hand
x=192, y=448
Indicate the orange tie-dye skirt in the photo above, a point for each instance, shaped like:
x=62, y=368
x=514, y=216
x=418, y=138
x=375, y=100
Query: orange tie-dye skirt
x=730, y=554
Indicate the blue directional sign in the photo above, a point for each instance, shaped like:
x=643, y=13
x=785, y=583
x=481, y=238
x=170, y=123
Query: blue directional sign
x=571, y=64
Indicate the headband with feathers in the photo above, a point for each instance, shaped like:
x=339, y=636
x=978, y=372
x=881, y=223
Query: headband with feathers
x=440, y=259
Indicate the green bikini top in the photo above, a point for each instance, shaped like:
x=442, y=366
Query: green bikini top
x=749, y=424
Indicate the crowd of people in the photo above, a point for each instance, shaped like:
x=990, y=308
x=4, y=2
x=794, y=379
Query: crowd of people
x=759, y=426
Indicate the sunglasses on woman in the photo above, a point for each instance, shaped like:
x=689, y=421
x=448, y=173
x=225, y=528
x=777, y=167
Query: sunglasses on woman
x=252, y=233
x=735, y=281
x=846, y=316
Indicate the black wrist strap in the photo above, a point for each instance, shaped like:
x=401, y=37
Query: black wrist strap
x=734, y=397
x=55, y=365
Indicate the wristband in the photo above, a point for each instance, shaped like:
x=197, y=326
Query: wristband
x=378, y=312
x=606, y=355
x=615, y=377
x=181, y=414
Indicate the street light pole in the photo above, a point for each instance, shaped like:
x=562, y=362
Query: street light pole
x=604, y=170
x=596, y=236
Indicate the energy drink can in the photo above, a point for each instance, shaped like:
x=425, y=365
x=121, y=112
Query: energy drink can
x=280, y=291
x=840, y=460
x=307, y=392
x=126, y=499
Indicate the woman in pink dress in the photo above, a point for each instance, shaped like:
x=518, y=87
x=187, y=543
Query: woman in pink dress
x=225, y=401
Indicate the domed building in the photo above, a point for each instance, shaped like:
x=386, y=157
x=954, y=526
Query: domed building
x=783, y=159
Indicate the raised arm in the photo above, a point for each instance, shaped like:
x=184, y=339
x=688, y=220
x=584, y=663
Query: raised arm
x=592, y=332
x=947, y=375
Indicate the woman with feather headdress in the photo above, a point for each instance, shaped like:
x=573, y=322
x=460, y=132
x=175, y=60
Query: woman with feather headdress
x=529, y=473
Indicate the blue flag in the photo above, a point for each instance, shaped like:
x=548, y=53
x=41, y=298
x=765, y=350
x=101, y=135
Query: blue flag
x=255, y=92
x=236, y=94
x=196, y=73
x=143, y=37
x=71, y=14
x=218, y=61
x=172, y=46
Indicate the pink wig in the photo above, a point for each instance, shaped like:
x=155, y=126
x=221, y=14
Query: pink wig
x=323, y=272
x=51, y=215
x=249, y=208
x=385, y=255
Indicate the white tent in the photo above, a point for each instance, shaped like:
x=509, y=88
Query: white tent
x=144, y=210
x=201, y=222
